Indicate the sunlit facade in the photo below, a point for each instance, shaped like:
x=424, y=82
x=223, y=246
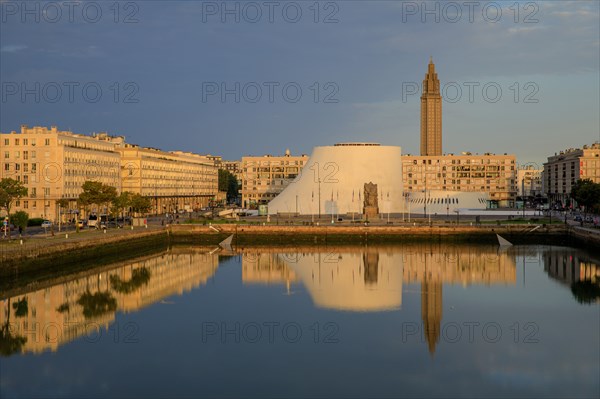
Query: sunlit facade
x=54, y=164
x=489, y=174
x=174, y=180
x=263, y=178
x=563, y=170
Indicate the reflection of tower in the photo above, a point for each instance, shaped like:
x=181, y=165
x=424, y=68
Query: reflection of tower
x=431, y=311
x=431, y=113
x=371, y=262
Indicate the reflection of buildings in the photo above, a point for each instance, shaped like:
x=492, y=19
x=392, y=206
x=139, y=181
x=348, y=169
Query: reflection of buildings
x=370, y=279
x=260, y=268
x=356, y=281
x=54, y=315
x=566, y=266
x=435, y=265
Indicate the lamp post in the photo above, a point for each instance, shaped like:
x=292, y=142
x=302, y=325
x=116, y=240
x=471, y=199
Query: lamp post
x=319, y=198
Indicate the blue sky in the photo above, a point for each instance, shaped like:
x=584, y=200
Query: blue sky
x=354, y=67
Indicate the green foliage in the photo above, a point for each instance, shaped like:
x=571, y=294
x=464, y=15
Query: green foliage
x=228, y=182
x=586, y=193
x=586, y=291
x=63, y=308
x=10, y=190
x=140, y=204
x=96, y=193
x=63, y=203
x=20, y=219
x=21, y=308
x=123, y=201
x=95, y=305
x=139, y=277
x=9, y=344
x=35, y=222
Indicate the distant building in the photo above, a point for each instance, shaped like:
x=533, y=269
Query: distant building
x=529, y=181
x=431, y=114
x=487, y=173
x=174, y=180
x=54, y=164
x=334, y=178
x=263, y=178
x=563, y=170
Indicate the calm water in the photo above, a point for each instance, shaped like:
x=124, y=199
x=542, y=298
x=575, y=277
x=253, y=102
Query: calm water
x=418, y=320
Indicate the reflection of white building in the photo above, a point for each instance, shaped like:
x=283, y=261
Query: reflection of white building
x=364, y=282
x=332, y=182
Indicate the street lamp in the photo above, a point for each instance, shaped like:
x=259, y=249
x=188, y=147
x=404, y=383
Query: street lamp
x=319, y=198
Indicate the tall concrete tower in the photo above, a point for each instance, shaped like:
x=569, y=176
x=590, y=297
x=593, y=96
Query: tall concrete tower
x=431, y=113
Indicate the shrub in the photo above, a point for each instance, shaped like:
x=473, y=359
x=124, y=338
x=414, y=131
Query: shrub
x=35, y=222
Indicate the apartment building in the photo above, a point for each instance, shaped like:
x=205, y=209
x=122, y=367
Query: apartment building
x=53, y=165
x=174, y=180
x=491, y=173
x=563, y=170
x=263, y=178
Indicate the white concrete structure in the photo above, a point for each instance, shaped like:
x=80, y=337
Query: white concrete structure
x=357, y=282
x=443, y=202
x=332, y=182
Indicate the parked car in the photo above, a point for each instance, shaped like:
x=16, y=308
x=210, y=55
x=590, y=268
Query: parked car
x=577, y=218
x=115, y=224
x=46, y=224
x=81, y=224
x=589, y=219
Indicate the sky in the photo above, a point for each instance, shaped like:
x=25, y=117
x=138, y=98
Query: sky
x=242, y=78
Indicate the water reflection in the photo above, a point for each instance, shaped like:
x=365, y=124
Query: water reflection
x=342, y=278
x=45, y=318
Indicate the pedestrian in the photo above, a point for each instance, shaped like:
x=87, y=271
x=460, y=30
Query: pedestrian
x=20, y=231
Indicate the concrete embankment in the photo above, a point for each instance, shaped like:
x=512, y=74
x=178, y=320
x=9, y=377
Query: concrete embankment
x=334, y=234
x=58, y=255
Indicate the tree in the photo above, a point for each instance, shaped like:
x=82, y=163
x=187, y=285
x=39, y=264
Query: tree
x=586, y=193
x=62, y=203
x=140, y=204
x=96, y=193
x=10, y=190
x=123, y=201
x=20, y=219
x=228, y=182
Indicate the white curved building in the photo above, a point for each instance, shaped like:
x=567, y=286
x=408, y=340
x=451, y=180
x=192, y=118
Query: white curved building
x=333, y=179
x=445, y=202
x=359, y=282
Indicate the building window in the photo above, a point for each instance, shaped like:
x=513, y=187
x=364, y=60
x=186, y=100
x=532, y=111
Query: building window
x=17, y=142
x=6, y=142
x=47, y=142
x=6, y=154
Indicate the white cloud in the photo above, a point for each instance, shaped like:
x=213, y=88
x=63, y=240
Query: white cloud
x=12, y=48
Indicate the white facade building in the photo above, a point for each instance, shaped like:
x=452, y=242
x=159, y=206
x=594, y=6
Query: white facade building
x=333, y=179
